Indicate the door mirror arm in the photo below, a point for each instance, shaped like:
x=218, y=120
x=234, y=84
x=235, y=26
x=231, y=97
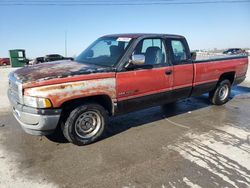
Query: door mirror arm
x=131, y=66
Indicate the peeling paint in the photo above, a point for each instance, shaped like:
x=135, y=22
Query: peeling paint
x=56, y=70
x=60, y=93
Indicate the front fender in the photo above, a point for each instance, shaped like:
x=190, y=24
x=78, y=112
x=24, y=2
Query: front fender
x=60, y=93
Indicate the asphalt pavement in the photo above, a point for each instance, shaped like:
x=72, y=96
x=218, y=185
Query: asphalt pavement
x=189, y=144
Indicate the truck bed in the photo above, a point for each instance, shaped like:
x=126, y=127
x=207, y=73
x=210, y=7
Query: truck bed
x=209, y=71
x=216, y=57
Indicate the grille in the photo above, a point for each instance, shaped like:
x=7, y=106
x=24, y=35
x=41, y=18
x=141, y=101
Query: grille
x=14, y=89
x=13, y=86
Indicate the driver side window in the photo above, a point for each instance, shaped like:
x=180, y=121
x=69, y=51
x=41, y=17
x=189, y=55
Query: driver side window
x=152, y=50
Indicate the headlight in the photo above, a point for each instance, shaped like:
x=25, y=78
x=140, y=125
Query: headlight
x=36, y=102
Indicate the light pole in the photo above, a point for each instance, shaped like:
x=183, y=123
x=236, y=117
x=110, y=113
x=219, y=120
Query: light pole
x=65, y=37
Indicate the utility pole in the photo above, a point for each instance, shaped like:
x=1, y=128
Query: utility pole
x=65, y=37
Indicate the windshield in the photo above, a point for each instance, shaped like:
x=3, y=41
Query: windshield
x=105, y=51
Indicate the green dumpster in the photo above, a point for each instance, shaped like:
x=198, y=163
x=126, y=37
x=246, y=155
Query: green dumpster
x=18, y=58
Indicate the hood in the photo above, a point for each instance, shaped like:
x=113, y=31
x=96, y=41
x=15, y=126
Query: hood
x=56, y=69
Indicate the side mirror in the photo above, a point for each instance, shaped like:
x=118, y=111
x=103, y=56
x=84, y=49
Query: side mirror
x=138, y=59
x=138, y=62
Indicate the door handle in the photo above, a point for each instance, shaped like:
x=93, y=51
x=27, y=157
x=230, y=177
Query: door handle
x=168, y=72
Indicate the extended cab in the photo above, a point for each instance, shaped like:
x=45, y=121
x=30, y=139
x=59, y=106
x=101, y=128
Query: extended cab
x=114, y=75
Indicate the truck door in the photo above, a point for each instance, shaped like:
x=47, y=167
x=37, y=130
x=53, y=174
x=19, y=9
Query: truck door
x=183, y=70
x=150, y=81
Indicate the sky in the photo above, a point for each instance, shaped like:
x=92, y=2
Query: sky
x=40, y=30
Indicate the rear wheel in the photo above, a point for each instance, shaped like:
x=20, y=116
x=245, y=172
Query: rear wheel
x=221, y=93
x=85, y=124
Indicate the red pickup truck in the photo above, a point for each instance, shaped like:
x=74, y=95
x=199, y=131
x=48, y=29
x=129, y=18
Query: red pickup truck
x=114, y=75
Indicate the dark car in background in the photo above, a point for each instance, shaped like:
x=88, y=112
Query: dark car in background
x=48, y=58
x=234, y=51
x=37, y=60
x=56, y=57
x=4, y=61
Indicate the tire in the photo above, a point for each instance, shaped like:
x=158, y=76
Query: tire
x=57, y=136
x=220, y=95
x=85, y=124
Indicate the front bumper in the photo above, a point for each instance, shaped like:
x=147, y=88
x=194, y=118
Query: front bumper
x=35, y=121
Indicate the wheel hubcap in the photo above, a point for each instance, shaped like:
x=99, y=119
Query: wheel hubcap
x=88, y=124
x=223, y=92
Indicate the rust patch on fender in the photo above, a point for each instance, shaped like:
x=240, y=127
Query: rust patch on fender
x=60, y=93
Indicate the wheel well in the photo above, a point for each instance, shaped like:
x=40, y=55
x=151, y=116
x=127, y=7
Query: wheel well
x=228, y=76
x=103, y=100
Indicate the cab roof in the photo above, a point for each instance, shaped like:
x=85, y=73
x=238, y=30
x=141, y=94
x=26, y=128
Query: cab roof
x=137, y=35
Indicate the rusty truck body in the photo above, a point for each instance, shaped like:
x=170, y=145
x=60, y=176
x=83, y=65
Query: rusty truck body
x=115, y=75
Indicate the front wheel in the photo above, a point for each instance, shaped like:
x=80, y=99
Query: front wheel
x=221, y=93
x=85, y=124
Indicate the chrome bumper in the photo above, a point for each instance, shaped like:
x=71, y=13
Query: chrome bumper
x=36, y=124
x=35, y=121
